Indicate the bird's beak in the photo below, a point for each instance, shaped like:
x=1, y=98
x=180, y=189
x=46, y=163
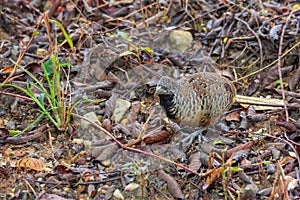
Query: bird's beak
x=159, y=90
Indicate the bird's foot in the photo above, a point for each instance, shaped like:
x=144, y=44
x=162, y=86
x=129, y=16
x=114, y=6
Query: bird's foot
x=186, y=143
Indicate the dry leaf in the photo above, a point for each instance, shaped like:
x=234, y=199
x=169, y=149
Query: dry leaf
x=157, y=137
x=290, y=126
x=31, y=163
x=235, y=116
x=212, y=177
x=246, y=146
x=106, y=123
x=133, y=113
x=4, y=172
x=216, y=173
x=195, y=163
x=21, y=153
x=173, y=186
x=104, y=152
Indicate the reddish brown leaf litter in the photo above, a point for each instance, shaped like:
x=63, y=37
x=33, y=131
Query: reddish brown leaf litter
x=31, y=163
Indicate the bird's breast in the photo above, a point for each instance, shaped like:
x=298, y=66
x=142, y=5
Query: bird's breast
x=167, y=102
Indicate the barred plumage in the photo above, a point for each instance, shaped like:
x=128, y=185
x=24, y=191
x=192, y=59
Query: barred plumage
x=196, y=100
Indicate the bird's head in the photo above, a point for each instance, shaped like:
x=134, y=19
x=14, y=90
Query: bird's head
x=166, y=86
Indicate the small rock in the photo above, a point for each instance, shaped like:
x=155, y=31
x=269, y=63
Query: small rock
x=180, y=40
x=118, y=194
x=121, y=108
x=92, y=117
x=106, y=163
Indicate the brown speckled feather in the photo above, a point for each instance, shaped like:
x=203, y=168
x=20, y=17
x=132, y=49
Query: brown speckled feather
x=196, y=100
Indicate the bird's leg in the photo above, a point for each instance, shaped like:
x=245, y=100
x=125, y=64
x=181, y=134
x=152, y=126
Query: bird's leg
x=187, y=141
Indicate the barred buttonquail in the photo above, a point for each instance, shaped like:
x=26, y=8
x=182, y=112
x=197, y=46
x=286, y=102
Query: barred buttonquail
x=196, y=100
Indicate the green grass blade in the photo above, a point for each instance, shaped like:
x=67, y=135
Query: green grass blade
x=32, y=124
x=68, y=38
